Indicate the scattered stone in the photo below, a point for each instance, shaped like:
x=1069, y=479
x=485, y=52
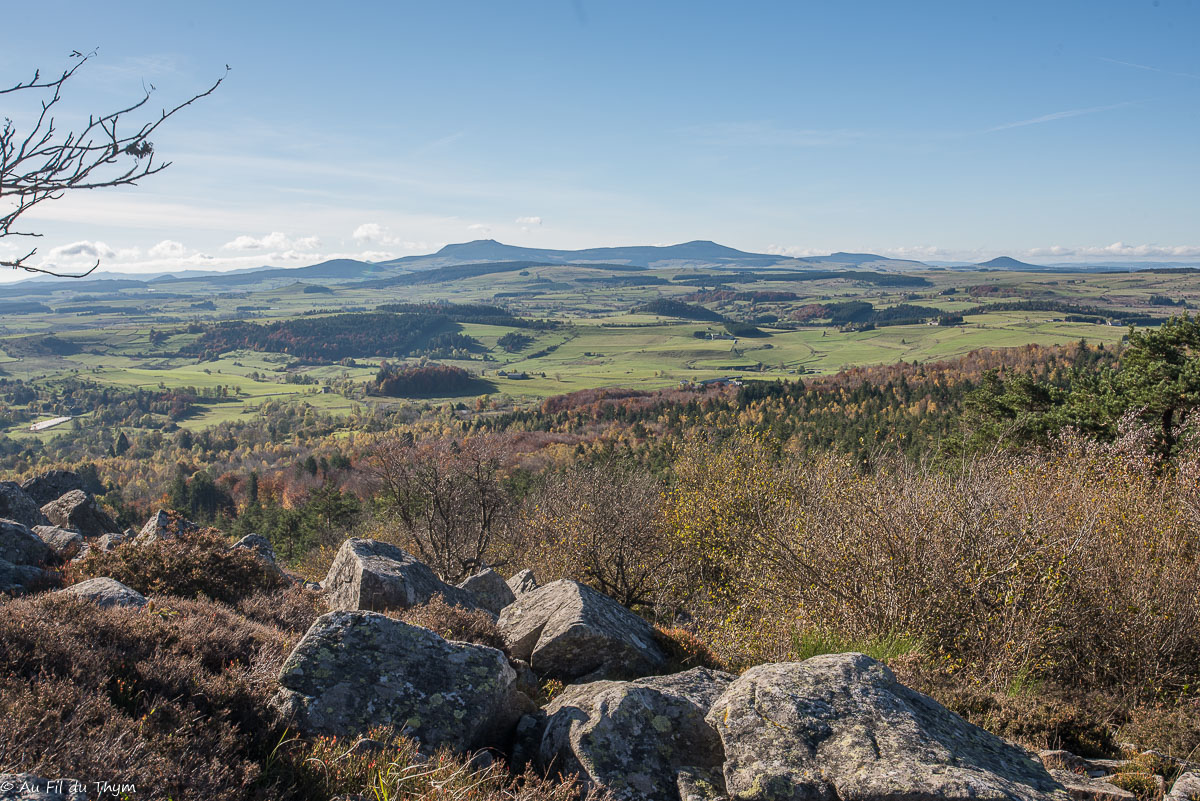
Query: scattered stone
x=78, y=510
x=1186, y=788
x=15, y=504
x=368, y=574
x=28, y=787
x=20, y=546
x=164, y=525
x=20, y=579
x=354, y=670
x=66, y=544
x=1082, y=787
x=840, y=726
x=522, y=583
x=567, y=630
x=633, y=739
x=52, y=485
x=490, y=591
x=106, y=593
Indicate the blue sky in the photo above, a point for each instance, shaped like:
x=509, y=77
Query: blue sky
x=1053, y=131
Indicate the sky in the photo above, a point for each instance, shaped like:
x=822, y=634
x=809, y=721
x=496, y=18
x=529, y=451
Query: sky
x=955, y=131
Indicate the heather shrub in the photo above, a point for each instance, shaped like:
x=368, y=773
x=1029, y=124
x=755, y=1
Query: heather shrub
x=194, y=564
x=454, y=622
x=684, y=650
x=1079, y=565
x=384, y=766
x=172, y=698
x=292, y=609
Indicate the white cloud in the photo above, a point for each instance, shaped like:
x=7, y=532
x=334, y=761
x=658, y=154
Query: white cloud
x=275, y=240
x=529, y=221
x=479, y=227
x=1120, y=250
x=370, y=232
x=77, y=251
x=167, y=249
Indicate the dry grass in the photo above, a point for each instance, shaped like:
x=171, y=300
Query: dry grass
x=454, y=623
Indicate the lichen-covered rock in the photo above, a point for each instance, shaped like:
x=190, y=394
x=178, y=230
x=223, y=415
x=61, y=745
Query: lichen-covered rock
x=78, y=510
x=20, y=546
x=567, y=630
x=20, y=579
x=522, y=583
x=106, y=593
x=49, y=486
x=65, y=544
x=368, y=574
x=15, y=504
x=490, y=590
x=355, y=670
x=28, y=787
x=635, y=738
x=840, y=726
x=164, y=525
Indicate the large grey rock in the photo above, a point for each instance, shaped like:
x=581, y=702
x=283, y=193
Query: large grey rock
x=567, y=630
x=369, y=574
x=65, y=544
x=20, y=579
x=1082, y=787
x=164, y=526
x=355, y=670
x=634, y=739
x=106, y=593
x=28, y=787
x=15, y=504
x=49, y=486
x=78, y=510
x=20, y=546
x=841, y=727
x=1186, y=788
x=490, y=590
x=522, y=583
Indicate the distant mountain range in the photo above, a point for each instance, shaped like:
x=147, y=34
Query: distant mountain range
x=699, y=254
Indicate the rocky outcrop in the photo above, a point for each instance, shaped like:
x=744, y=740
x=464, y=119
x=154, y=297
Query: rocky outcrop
x=78, y=510
x=51, y=486
x=15, y=504
x=567, y=630
x=354, y=670
x=1082, y=787
x=65, y=544
x=490, y=591
x=640, y=739
x=522, y=583
x=368, y=574
x=28, y=787
x=840, y=726
x=164, y=525
x=20, y=546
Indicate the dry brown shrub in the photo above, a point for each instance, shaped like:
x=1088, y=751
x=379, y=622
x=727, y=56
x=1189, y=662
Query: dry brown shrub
x=195, y=564
x=1081, y=565
x=454, y=623
x=292, y=609
x=171, y=698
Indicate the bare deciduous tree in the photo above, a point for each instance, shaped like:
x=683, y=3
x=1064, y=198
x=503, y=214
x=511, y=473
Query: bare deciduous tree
x=111, y=149
x=446, y=496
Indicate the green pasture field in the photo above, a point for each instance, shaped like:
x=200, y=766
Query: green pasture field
x=600, y=341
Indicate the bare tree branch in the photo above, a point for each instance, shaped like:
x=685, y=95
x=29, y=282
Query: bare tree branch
x=44, y=163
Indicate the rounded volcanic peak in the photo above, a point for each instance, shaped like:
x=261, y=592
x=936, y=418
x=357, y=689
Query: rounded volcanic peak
x=1008, y=263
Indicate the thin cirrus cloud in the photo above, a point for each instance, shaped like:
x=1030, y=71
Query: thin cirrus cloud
x=1057, y=115
x=528, y=221
x=1148, y=68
